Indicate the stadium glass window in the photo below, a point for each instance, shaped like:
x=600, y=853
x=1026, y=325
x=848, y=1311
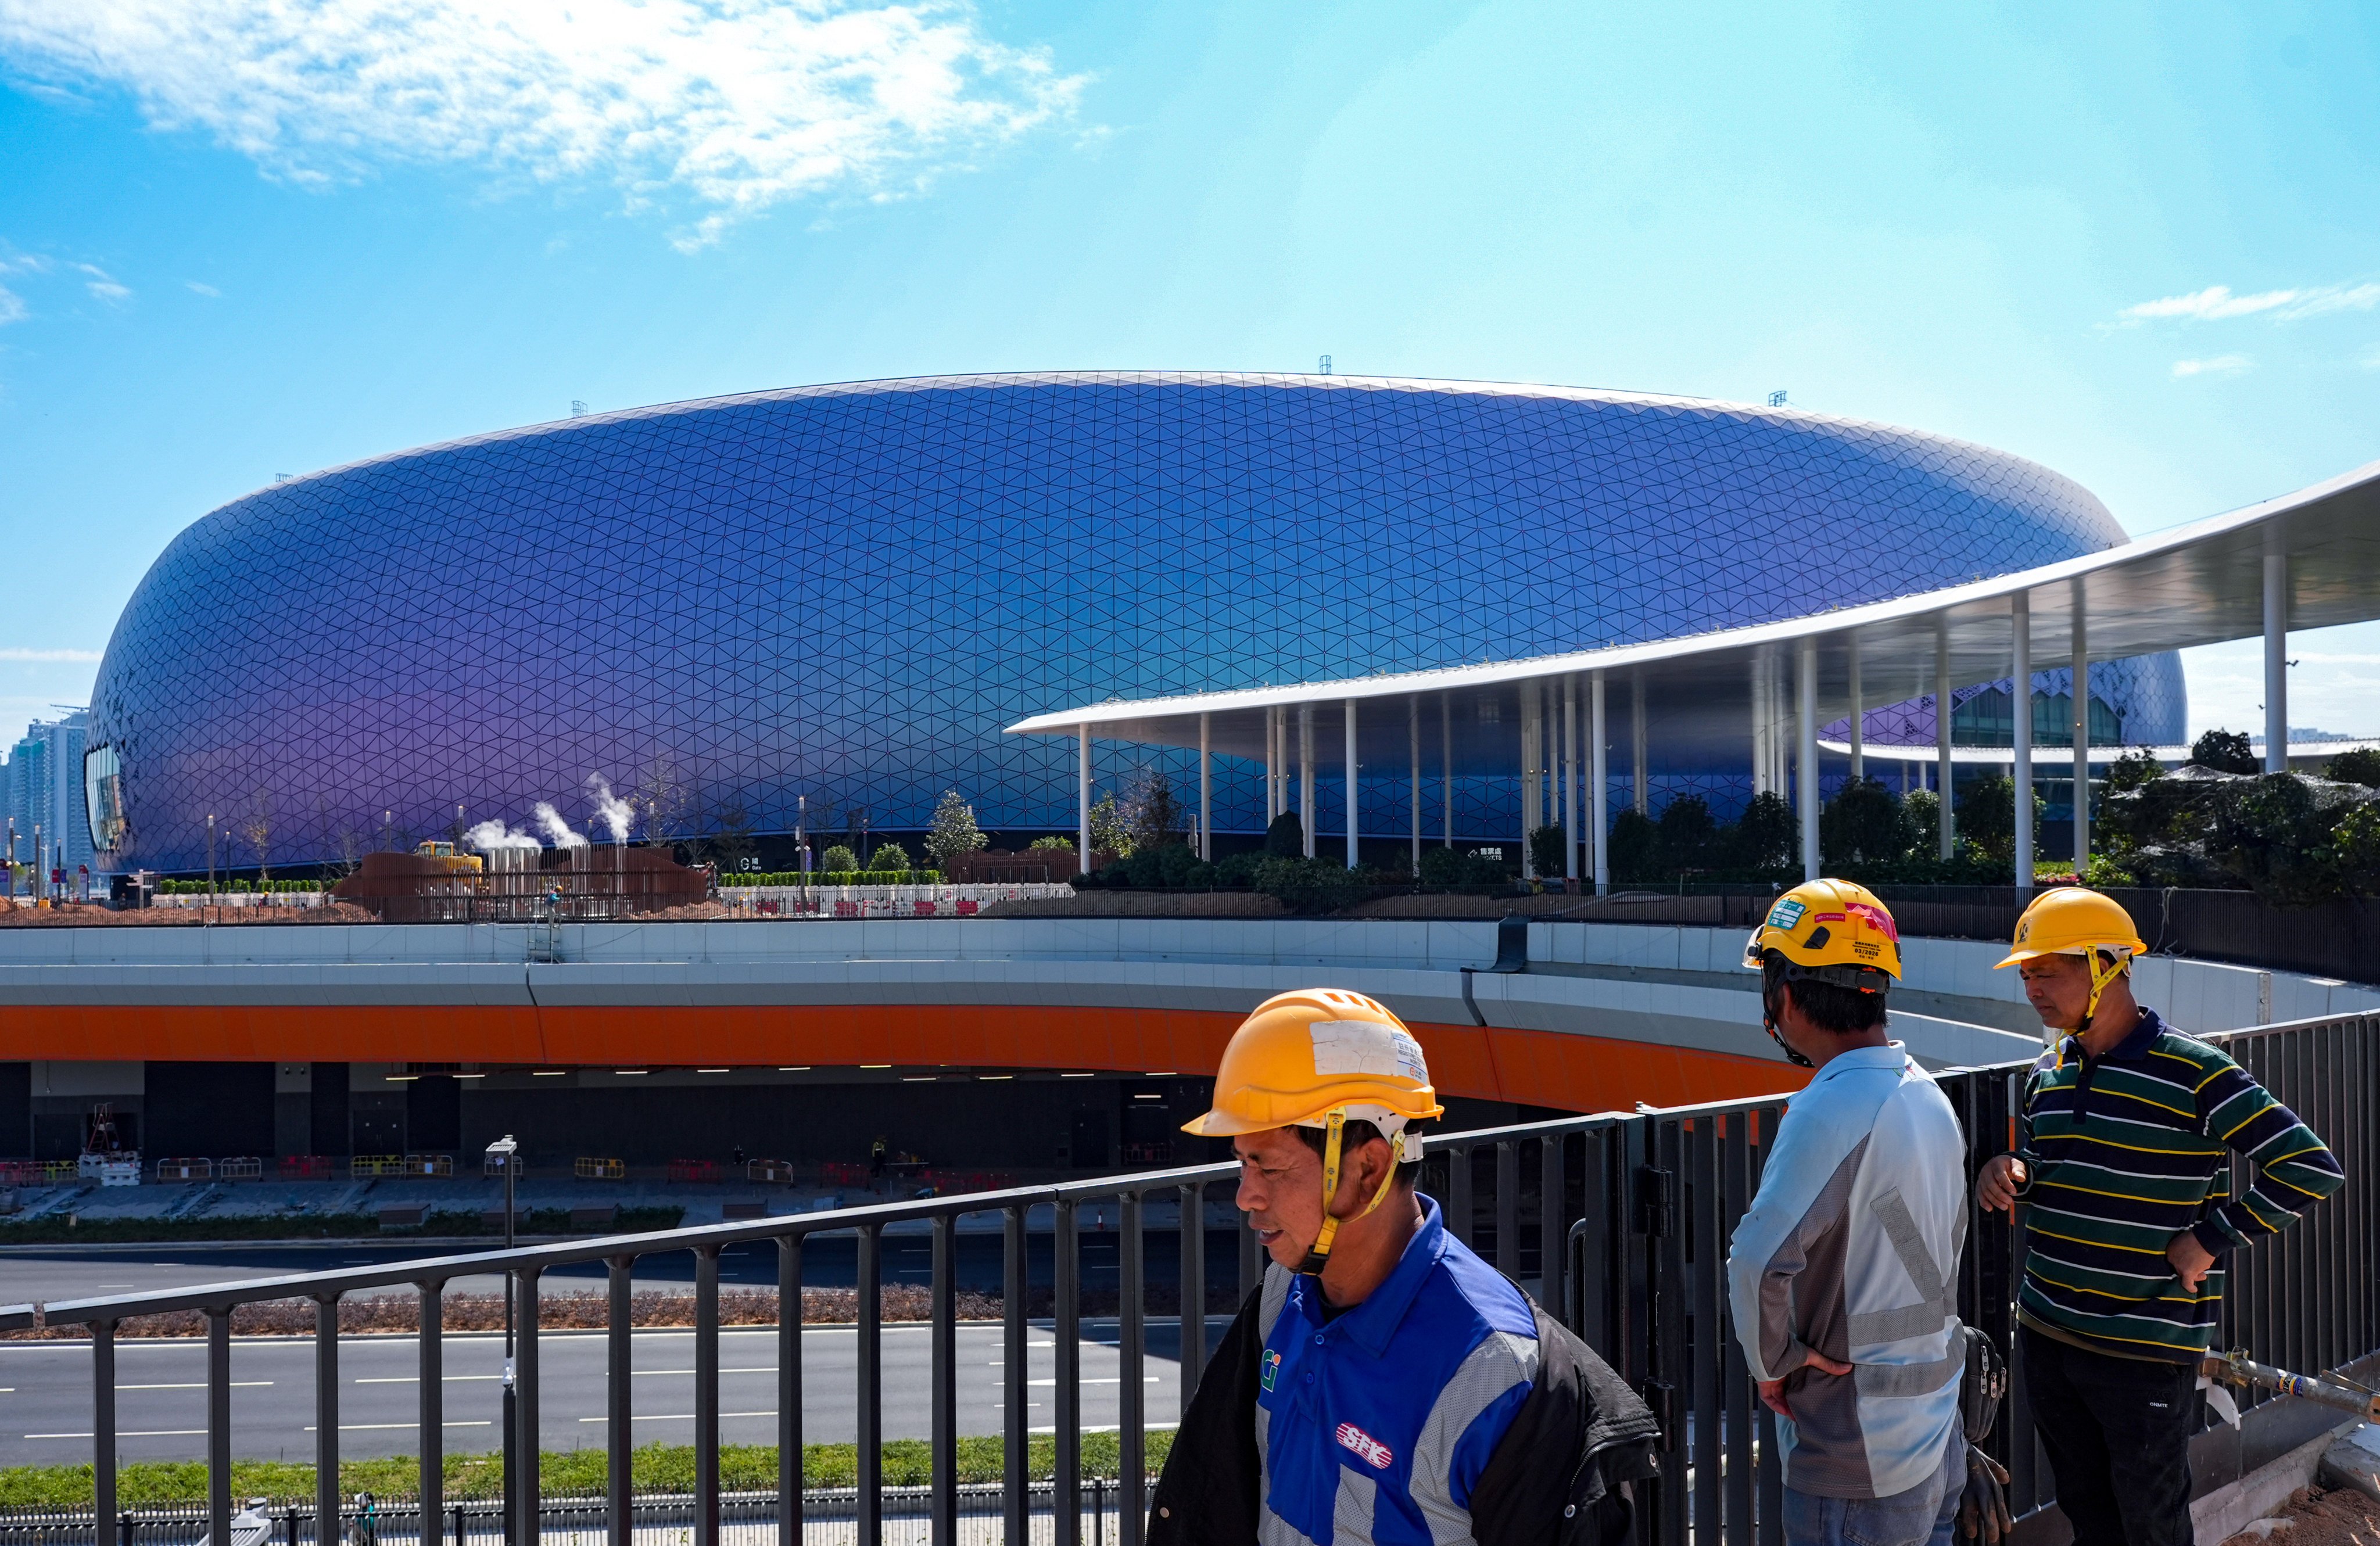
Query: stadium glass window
x=103, y=797
x=1985, y=720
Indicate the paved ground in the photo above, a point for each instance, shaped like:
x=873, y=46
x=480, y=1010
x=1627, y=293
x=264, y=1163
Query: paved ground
x=45, y=1412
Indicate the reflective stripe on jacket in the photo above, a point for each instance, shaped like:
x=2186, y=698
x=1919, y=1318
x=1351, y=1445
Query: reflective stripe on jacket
x=1851, y=1248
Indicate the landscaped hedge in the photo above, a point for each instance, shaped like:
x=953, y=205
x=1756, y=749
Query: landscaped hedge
x=836, y=878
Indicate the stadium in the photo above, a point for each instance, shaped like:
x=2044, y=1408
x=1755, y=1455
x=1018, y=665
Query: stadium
x=840, y=595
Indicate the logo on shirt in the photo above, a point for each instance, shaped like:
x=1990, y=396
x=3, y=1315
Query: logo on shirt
x=1271, y=1364
x=1376, y=1454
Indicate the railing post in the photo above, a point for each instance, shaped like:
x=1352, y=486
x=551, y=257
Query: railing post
x=706, y=1396
x=219, y=1423
x=525, y=1386
x=871, y=1385
x=789, y=1390
x=944, y=1376
x=1016, y=1416
x=102, y=1430
x=1066, y=1489
x=326, y=1419
x=1194, y=1290
x=1507, y=1206
x=619, y=1402
x=1553, y=1221
x=1458, y=1191
x=433, y=1409
x=1132, y=1399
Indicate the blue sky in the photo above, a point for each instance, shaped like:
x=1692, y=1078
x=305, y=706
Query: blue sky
x=240, y=237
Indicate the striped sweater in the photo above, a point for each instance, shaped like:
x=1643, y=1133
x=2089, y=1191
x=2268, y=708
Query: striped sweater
x=2127, y=1152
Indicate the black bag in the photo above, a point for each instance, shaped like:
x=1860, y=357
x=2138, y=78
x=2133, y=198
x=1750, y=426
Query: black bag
x=1984, y=1385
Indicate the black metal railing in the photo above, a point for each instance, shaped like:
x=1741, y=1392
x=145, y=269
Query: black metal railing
x=1621, y=1221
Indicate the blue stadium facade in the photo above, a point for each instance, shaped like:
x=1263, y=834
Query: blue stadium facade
x=843, y=593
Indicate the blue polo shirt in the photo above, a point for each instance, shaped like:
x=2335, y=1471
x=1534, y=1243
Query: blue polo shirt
x=1374, y=1425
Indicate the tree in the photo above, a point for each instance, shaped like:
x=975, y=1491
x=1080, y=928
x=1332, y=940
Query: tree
x=1862, y=824
x=1109, y=834
x=1285, y=839
x=2135, y=770
x=838, y=860
x=2225, y=751
x=888, y=859
x=1635, y=846
x=257, y=830
x=955, y=831
x=1921, y=821
x=1765, y=837
x=1152, y=812
x=731, y=840
x=1688, y=836
x=1546, y=851
x=1987, y=816
x=663, y=802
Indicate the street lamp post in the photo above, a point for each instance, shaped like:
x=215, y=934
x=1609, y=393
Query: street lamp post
x=506, y=1154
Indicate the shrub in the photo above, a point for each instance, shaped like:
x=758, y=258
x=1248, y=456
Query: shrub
x=1921, y=823
x=1285, y=839
x=2360, y=766
x=838, y=858
x=1443, y=868
x=1484, y=869
x=1862, y=825
x=2225, y=751
x=1238, y=869
x=1765, y=839
x=1310, y=885
x=888, y=856
x=1051, y=844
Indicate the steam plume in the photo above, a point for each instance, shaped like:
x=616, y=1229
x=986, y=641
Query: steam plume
x=609, y=809
x=557, y=829
x=490, y=836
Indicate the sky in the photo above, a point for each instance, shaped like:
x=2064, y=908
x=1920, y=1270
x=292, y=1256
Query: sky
x=2137, y=243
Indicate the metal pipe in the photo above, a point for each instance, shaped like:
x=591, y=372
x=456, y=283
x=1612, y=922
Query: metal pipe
x=1066, y=1491
x=1016, y=1416
x=432, y=1380
x=2021, y=730
x=219, y=1423
x=1132, y=1394
x=102, y=1429
x=1806, y=768
x=1194, y=1290
x=326, y=1419
x=943, y=1402
x=706, y=1397
x=619, y=1404
x=525, y=1404
x=871, y=1386
x=789, y=1388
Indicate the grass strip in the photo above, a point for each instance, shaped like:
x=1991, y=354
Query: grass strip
x=561, y=1473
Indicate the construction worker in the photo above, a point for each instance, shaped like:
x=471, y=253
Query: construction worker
x=2121, y=1159
x=1384, y=1384
x=1841, y=1274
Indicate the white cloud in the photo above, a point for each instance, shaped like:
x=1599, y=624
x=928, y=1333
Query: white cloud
x=738, y=104
x=102, y=284
x=2217, y=302
x=2221, y=365
x=12, y=307
x=198, y=289
x=20, y=653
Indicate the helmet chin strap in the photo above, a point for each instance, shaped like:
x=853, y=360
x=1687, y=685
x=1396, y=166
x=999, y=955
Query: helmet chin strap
x=1769, y=1023
x=2099, y=980
x=1317, y=1255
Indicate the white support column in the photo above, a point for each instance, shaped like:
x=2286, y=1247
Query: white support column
x=1529, y=733
x=1859, y=715
x=1206, y=788
x=1306, y=774
x=2276, y=658
x=1759, y=723
x=1944, y=782
x=1354, y=860
x=1446, y=769
x=1413, y=751
x=2021, y=724
x=1271, y=763
x=1636, y=738
x=1083, y=799
x=2080, y=697
x=1598, y=782
x=1570, y=777
x=1805, y=762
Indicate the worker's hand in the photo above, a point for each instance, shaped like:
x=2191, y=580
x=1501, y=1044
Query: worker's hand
x=1982, y=1508
x=1772, y=1392
x=1996, y=1186
x=2190, y=1260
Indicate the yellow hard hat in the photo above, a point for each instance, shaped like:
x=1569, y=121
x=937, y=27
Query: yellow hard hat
x=2073, y=921
x=1835, y=930
x=1322, y=1057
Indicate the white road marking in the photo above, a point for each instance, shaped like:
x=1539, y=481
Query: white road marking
x=192, y=1385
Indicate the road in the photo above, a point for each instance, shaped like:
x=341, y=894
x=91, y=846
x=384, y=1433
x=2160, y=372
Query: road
x=45, y=1411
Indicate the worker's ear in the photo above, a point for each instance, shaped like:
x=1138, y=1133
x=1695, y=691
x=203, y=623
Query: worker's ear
x=1360, y=1181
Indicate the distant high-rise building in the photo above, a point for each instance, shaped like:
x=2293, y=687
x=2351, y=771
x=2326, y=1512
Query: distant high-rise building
x=44, y=786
